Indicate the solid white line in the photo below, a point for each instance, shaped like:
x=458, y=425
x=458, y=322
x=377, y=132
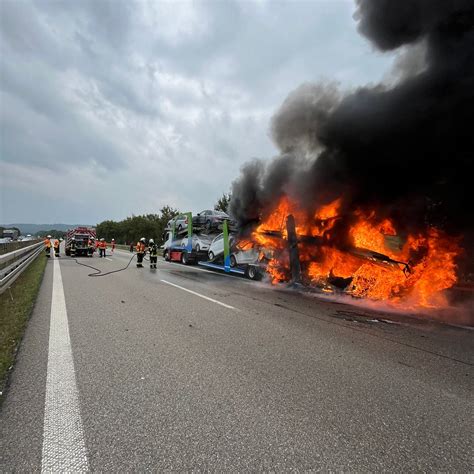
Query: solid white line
x=63, y=437
x=109, y=259
x=199, y=294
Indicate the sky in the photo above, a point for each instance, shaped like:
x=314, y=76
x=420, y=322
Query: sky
x=114, y=108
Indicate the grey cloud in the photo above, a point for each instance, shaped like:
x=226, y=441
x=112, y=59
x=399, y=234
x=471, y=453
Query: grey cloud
x=97, y=84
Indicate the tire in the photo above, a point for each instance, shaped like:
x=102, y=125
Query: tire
x=166, y=255
x=233, y=261
x=184, y=258
x=198, y=248
x=253, y=273
x=211, y=255
x=208, y=225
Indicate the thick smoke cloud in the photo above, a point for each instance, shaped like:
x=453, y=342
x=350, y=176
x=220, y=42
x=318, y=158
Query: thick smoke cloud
x=405, y=150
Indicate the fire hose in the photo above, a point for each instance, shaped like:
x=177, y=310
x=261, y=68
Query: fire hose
x=98, y=273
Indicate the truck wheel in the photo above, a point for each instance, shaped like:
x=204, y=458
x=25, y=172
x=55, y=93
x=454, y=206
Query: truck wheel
x=166, y=255
x=253, y=273
x=233, y=261
x=211, y=256
x=184, y=258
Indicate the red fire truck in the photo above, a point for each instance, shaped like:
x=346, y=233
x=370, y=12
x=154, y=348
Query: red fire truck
x=82, y=237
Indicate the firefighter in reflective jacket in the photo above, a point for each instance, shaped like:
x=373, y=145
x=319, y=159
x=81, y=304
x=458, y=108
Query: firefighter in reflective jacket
x=141, y=249
x=102, y=247
x=153, y=249
x=56, y=248
x=90, y=246
x=47, y=246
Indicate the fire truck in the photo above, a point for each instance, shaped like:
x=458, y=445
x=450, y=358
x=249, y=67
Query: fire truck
x=82, y=236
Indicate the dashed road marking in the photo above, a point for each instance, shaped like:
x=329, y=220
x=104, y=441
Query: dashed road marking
x=199, y=294
x=63, y=436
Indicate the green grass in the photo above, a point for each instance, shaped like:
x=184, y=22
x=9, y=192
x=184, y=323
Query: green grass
x=16, y=305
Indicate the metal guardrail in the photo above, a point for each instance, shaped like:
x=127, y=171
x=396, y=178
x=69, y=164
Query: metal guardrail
x=21, y=259
x=8, y=247
x=8, y=257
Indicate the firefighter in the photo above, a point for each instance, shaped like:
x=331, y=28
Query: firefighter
x=47, y=246
x=153, y=249
x=73, y=247
x=113, y=245
x=102, y=247
x=56, y=248
x=141, y=249
x=90, y=246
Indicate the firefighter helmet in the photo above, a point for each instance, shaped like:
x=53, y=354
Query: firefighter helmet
x=49, y=236
x=142, y=239
x=151, y=241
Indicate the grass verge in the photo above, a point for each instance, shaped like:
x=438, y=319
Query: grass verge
x=16, y=305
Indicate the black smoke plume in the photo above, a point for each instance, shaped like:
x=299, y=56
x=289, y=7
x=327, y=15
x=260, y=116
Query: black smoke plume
x=404, y=149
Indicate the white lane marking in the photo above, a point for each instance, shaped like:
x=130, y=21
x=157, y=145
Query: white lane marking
x=109, y=259
x=199, y=294
x=63, y=436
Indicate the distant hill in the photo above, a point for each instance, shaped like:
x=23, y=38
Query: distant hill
x=34, y=228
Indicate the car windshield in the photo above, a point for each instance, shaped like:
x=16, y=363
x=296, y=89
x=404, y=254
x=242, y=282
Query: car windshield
x=220, y=213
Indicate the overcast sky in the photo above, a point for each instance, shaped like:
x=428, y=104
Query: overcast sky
x=109, y=108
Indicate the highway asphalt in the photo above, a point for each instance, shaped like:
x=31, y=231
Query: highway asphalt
x=184, y=369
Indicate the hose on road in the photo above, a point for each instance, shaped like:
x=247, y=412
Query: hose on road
x=98, y=273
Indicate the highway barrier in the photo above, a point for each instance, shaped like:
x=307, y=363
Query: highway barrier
x=12, y=264
x=8, y=247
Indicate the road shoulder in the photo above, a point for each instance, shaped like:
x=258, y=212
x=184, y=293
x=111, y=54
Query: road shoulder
x=20, y=449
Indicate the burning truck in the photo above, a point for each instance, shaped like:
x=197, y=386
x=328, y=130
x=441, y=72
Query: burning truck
x=371, y=192
x=368, y=258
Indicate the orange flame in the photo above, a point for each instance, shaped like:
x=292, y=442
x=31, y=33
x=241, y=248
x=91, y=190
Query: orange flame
x=375, y=262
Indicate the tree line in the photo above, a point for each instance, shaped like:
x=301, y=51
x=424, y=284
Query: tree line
x=149, y=226
x=134, y=228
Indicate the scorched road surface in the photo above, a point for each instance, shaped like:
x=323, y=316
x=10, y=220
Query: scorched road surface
x=182, y=368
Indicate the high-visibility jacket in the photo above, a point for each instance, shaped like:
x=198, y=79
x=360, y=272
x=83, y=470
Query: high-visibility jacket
x=141, y=247
x=103, y=245
x=56, y=244
x=47, y=243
